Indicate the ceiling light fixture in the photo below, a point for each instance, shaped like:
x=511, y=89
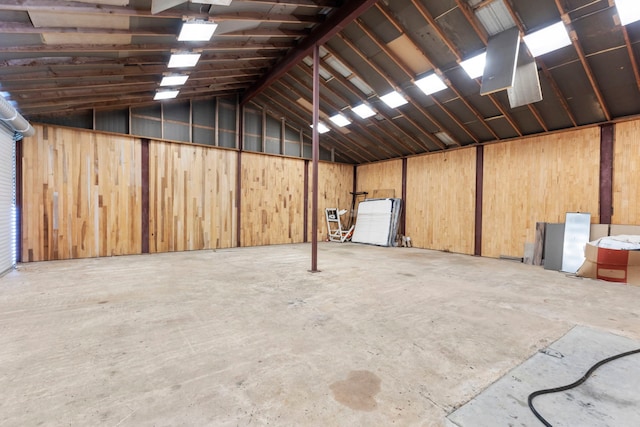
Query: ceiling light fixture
x=431, y=84
x=322, y=128
x=474, y=66
x=364, y=111
x=547, y=39
x=340, y=120
x=165, y=94
x=174, y=80
x=197, y=31
x=394, y=99
x=628, y=11
x=182, y=60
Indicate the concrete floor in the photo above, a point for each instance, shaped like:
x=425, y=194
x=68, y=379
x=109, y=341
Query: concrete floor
x=238, y=337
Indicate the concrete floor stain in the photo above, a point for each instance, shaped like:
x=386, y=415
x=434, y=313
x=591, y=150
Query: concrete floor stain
x=357, y=391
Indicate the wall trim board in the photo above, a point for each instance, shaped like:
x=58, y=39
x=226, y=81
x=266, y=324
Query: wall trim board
x=607, y=136
x=477, y=251
x=144, y=195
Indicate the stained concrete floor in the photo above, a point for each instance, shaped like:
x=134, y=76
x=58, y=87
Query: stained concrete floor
x=247, y=336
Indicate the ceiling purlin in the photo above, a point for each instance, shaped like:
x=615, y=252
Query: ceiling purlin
x=632, y=55
x=161, y=47
x=358, y=93
x=90, y=102
x=78, y=7
x=267, y=17
x=73, y=61
x=410, y=75
x=365, y=150
x=337, y=108
x=391, y=83
x=583, y=60
x=84, y=76
x=482, y=35
x=396, y=23
x=354, y=90
x=346, y=148
x=376, y=151
x=356, y=128
x=304, y=3
x=24, y=28
x=53, y=109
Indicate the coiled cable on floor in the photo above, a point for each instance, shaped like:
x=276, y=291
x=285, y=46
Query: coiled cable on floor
x=572, y=385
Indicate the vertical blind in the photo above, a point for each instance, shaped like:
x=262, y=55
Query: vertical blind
x=7, y=200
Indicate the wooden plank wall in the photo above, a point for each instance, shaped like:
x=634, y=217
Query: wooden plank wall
x=335, y=183
x=272, y=200
x=440, y=205
x=81, y=195
x=191, y=197
x=626, y=165
x=534, y=180
x=385, y=175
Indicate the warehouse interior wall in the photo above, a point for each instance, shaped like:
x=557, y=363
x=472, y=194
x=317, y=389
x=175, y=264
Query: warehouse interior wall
x=524, y=181
x=84, y=196
x=83, y=193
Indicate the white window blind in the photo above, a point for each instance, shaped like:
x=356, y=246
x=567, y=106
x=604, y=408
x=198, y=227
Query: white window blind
x=7, y=200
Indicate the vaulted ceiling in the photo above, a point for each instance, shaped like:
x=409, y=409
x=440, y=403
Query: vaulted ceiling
x=61, y=57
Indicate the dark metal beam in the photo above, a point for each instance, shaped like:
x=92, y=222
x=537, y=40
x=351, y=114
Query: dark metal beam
x=315, y=149
x=607, y=132
x=320, y=35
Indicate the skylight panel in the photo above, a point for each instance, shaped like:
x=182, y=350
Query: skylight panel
x=364, y=111
x=180, y=60
x=393, y=99
x=322, y=128
x=340, y=120
x=431, y=84
x=628, y=11
x=474, y=66
x=165, y=94
x=197, y=31
x=176, y=80
x=547, y=39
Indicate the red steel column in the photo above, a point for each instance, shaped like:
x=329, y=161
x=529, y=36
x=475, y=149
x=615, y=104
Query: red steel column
x=316, y=155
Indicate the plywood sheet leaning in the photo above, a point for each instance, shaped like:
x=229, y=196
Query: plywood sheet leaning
x=272, y=200
x=626, y=164
x=440, y=205
x=81, y=195
x=335, y=183
x=537, y=179
x=191, y=197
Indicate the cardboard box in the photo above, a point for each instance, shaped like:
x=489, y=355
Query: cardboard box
x=614, y=265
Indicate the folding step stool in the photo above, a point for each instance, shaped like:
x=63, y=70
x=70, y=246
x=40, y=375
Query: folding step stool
x=334, y=226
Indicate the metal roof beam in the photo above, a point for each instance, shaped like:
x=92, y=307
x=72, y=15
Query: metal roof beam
x=320, y=35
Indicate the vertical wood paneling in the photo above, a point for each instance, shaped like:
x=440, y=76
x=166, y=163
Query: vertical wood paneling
x=441, y=200
x=537, y=180
x=380, y=176
x=626, y=165
x=335, y=183
x=81, y=195
x=192, y=197
x=272, y=200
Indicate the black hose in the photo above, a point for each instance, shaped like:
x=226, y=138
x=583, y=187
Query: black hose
x=572, y=385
